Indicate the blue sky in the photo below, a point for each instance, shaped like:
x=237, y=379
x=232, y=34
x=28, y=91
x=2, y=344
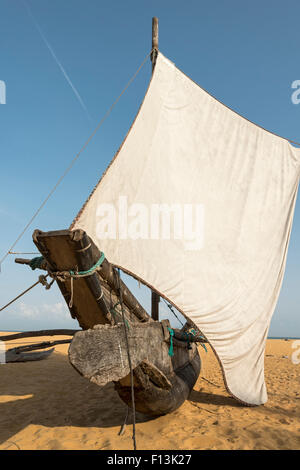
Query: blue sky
x=64, y=69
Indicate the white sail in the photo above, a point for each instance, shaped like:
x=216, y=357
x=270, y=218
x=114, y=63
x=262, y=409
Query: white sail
x=232, y=187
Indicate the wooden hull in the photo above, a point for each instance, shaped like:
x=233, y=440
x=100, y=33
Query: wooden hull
x=154, y=401
x=161, y=382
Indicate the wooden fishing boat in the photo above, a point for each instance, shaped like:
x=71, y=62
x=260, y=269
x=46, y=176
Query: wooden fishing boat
x=99, y=352
x=184, y=151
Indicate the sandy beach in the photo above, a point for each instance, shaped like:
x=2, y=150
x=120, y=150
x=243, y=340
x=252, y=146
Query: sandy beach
x=47, y=405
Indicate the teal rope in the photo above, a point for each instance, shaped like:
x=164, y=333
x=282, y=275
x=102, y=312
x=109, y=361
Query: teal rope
x=171, y=351
x=114, y=311
x=186, y=337
x=88, y=271
x=194, y=333
x=37, y=262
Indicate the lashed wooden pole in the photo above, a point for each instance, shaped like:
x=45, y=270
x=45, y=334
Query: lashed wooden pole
x=154, y=296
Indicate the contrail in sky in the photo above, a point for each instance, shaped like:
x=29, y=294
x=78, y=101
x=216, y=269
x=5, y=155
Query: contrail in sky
x=57, y=61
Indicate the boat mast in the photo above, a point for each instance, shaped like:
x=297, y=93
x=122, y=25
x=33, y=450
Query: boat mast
x=154, y=41
x=155, y=298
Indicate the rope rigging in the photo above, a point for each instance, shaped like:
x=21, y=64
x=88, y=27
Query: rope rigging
x=129, y=360
x=22, y=253
x=59, y=275
x=172, y=310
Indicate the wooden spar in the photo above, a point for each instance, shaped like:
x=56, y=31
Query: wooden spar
x=110, y=276
x=154, y=41
x=23, y=261
x=28, y=261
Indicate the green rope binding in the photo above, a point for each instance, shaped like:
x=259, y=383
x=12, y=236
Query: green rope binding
x=171, y=351
x=89, y=271
x=37, y=263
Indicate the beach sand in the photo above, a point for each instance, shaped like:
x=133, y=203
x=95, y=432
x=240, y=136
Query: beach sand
x=48, y=405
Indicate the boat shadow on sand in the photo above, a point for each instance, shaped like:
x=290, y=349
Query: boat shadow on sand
x=214, y=399
x=51, y=393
